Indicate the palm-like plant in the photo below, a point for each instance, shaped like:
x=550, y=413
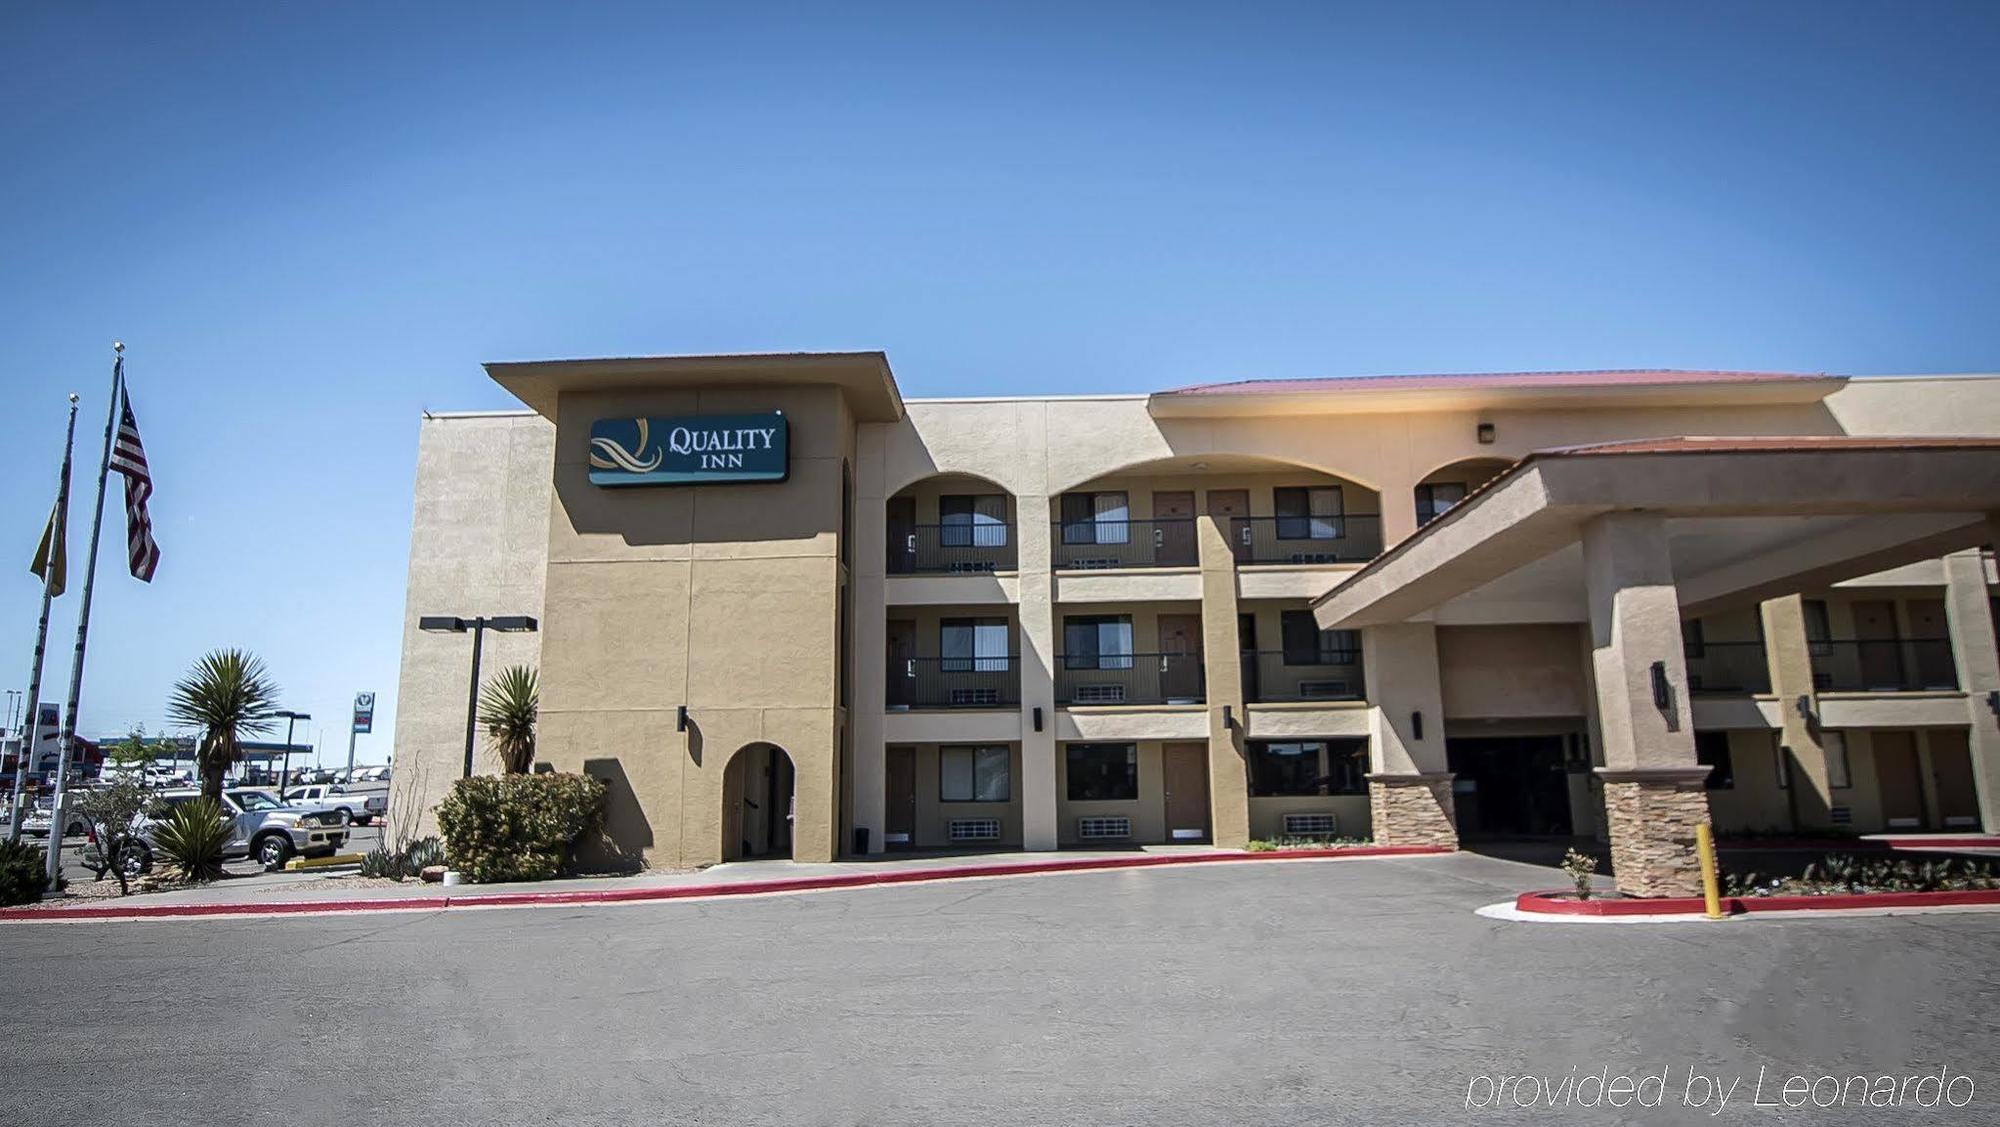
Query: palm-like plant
x=508, y=706
x=226, y=696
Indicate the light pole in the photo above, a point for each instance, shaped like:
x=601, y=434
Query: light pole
x=285, y=772
x=448, y=624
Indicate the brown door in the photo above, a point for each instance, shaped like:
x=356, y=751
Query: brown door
x=1899, y=779
x=1173, y=529
x=1180, y=657
x=902, y=646
x=1185, y=772
x=1930, y=645
x=1880, y=653
x=1951, y=780
x=899, y=820
x=1231, y=510
x=902, y=535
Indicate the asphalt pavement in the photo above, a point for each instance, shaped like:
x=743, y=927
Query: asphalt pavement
x=1352, y=991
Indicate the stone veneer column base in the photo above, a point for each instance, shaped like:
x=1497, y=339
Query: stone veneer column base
x=1651, y=814
x=1412, y=809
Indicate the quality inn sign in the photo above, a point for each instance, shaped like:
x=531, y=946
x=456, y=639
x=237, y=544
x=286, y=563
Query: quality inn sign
x=695, y=450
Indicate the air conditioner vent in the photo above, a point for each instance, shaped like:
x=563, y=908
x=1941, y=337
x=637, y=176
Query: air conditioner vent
x=975, y=698
x=1324, y=690
x=973, y=829
x=1311, y=825
x=1104, y=828
x=1113, y=693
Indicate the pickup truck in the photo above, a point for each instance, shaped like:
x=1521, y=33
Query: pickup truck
x=361, y=807
x=260, y=828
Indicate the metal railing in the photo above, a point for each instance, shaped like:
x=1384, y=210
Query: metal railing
x=1130, y=679
x=1351, y=538
x=1086, y=544
x=954, y=682
x=1728, y=667
x=952, y=549
x=1330, y=675
x=1887, y=665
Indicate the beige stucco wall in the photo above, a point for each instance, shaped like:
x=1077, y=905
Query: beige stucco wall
x=1510, y=671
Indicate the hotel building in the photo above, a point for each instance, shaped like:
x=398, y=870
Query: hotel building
x=784, y=612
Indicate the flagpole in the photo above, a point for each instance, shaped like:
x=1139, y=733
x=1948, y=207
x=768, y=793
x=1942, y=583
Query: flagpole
x=42, y=638
x=68, y=742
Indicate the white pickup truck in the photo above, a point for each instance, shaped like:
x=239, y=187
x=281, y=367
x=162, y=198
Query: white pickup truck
x=259, y=828
x=360, y=807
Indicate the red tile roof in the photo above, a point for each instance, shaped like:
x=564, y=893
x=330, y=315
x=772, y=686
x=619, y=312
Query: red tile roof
x=1621, y=377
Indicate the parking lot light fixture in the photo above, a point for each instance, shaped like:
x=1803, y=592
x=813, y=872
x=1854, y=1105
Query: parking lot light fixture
x=285, y=771
x=452, y=624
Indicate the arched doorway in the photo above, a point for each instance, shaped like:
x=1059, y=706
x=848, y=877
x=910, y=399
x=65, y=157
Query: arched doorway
x=757, y=789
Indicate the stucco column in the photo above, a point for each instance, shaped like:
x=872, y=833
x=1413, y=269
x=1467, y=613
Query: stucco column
x=868, y=667
x=1038, y=679
x=1653, y=796
x=1399, y=511
x=1222, y=649
x=1788, y=655
x=1969, y=612
x=1409, y=782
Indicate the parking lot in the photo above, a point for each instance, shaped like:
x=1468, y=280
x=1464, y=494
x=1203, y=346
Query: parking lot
x=76, y=851
x=1354, y=991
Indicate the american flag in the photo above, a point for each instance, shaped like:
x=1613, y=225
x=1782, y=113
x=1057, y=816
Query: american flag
x=129, y=458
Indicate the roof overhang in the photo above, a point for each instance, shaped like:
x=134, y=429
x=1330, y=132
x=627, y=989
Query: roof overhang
x=864, y=378
x=1747, y=520
x=1493, y=391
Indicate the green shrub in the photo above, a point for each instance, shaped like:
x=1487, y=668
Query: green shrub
x=23, y=873
x=517, y=827
x=191, y=836
x=379, y=862
x=422, y=854
x=1580, y=867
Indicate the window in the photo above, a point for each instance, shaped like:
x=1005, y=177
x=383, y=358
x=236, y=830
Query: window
x=1436, y=498
x=1096, y=518
x=1308, y=767
x=1097, y=642
x=972, y=520
x=1711, y=749
x=1835, y=745
x=1103, y=772
x=1306, y=644
x=1817, y=629
x=1691, y=639
x=969, y=645
x=973, y=774
x=1309, y=514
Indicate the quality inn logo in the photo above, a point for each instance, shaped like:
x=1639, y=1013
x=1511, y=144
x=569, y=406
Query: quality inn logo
x=696, y=450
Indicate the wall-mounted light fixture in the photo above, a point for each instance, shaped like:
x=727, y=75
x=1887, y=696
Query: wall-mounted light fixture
x=1416, y=725
x=1803, y=706
x=1663, y=696
x=1485, y=432
x=1228, y=721
x=1038, y=718
x=681, y=718
x=1993, y=701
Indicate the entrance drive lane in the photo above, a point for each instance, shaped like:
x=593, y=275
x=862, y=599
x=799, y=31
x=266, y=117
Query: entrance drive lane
x=1362, y=992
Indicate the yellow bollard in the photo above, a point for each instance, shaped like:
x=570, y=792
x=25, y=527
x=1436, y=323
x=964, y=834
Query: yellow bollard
x=1704, y=847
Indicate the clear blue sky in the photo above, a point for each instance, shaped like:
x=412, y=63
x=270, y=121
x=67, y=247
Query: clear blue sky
x=310, y=222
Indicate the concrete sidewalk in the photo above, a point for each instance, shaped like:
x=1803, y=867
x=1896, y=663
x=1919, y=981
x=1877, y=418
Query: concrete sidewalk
x=334, y=892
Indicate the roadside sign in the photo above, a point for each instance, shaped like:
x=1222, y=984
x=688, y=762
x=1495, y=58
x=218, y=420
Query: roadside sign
x=364, y=712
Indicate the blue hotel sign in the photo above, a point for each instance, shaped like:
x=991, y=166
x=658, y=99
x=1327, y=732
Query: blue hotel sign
x=694, y=450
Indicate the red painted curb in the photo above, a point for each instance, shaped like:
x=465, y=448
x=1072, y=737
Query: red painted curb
x=1559, y=903
x=1855, y=845
x=687, y=891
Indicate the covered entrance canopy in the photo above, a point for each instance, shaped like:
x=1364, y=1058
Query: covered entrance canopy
x=1629, y=537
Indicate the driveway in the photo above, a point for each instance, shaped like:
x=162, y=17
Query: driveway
x=1354, y=991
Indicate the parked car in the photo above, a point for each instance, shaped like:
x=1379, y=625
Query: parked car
x=361, y=808
x=260, y=828
x=36, y=824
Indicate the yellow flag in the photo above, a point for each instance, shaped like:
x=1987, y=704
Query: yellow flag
x=52, y=557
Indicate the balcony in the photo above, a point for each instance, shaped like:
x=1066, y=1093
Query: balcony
x=1084, y=679
x=1275, y=676
x=1728, y=667
x=952, y=549
x=954, y=682
x=1084, y=545
x=1892, y=665
x=1354, y=538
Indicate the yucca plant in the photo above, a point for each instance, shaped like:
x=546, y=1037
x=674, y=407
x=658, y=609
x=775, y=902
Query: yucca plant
x=191, y=836
x=226, y=696
x=508, y=706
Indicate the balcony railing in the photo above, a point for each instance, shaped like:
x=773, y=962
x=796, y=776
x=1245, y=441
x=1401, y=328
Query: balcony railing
x=1130, y=679
x=1889, y=665
x=952, y=549
x=1353, y=538
x=954, y=682
x=1083, y=544
x=1728, y=667
x=1331, y=675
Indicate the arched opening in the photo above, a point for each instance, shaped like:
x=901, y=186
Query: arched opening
x=951, y=524
x=757, y=789
x=1446, y=486
x=1272, y=511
